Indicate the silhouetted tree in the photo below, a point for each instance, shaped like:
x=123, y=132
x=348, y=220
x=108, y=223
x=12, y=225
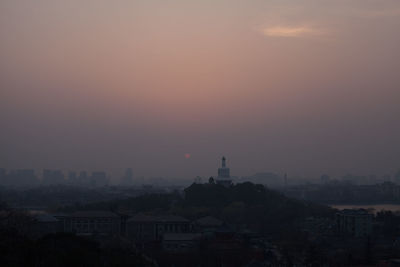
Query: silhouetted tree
x=211, y=180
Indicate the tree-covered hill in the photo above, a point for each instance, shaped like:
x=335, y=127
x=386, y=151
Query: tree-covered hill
x=246, y=204
x=249, y=204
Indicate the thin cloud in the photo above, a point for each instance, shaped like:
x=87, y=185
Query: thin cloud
x=284, y=31
x=381, y=13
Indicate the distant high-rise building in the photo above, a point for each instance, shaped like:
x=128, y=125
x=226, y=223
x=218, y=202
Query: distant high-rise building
x=73, y=178
x=397, y=177
x=83, y=178
x=325, y=179
x=224, y=177
x=127, y=179
x=53, y=177
x=285, y=181
x=3, y=176
x=21, y=177
x=99, y=179
x=387, y=178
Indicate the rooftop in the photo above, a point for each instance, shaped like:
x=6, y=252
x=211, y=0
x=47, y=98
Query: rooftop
x=94, y=214
x=209, y=221
x=45, y=218
x=150, y=218
x=181, y=236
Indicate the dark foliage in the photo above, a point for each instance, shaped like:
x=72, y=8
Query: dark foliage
x=250, y=204
x=142, y=203
x=62, y=249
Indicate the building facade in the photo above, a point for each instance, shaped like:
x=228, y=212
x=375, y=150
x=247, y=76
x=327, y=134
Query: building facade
x=354, y=222
x=92, y=223
x=144, y=228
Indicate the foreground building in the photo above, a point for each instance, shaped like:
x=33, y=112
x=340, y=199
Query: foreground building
x=91, y=222
x=144, y=228
x=354, y=222
x=207, y=224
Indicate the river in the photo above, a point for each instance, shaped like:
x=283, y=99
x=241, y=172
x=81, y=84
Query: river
x=375, y=207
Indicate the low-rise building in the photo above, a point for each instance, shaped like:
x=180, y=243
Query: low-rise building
x=93, y=222
x=143, y=228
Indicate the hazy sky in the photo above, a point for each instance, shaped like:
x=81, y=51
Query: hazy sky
x=303, y=86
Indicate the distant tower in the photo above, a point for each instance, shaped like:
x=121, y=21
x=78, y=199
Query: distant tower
x=224, y=177
x=224, y=172
x=285, y=180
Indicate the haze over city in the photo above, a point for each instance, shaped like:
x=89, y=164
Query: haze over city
x=209, y=133
x=169, y=87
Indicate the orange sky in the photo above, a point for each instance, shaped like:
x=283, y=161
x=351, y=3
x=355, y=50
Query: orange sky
x=303, y=87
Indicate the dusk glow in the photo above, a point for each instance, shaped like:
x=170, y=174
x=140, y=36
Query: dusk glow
x=208, y=133
x=303, y=87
